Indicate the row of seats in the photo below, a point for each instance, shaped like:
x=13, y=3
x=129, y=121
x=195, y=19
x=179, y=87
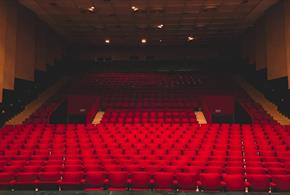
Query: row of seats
x=246, y=151
x=122, y=180
x=43, y=114
x=149, y=117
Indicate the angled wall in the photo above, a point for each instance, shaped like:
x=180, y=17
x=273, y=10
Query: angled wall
x=26, y=44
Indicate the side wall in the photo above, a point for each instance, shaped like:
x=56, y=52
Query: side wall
x=24, y=44
x=271, y=39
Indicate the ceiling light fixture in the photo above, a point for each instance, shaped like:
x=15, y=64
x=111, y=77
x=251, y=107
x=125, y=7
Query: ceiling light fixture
x=190, y=38
x=107, y=41
x=91, y=9
x=134, y=8
x=143, y=41
x=160, y=26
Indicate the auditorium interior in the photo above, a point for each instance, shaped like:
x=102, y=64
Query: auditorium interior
x=144, y=97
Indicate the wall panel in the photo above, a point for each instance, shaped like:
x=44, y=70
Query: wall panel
x=3, y=26
x=276, y=47
x=261, y=51
x=10, y=59
x=25, y=57
x=41, y=45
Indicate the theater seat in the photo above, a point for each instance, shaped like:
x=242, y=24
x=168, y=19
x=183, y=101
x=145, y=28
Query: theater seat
x=234, y=182
x=6, y=180
x=281, y=183
x=141, y=180
x=164, y=181
x=95, y=180
x=211, y=182
x=72, y=181
x=187, y=181
x=48, y=180
x=118, y=180
x=258, y=182
x=26, y=181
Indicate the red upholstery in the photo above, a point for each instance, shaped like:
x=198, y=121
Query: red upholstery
x=95, y=180
x=49, y=180
x=141, y=180
x=281, y=183
x=164, y=181
x=187, y=181
x=6, y=180
x=72, y=181
x=234, y=182
x=26, y=181
x=118, y=180
x=211, y=181
x=138, y=156
x=259, y=182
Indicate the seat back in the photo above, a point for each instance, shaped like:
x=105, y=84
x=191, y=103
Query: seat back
x=187, y=181
x=163, y=180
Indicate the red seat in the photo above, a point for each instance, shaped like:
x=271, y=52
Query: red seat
x=187, y=181
x=26, y=181
x=258, y=182
x=49, y=180
x=141, y=180
x=234, y=182
x=164, y=181
x=6, y=180
x=281, y=183
x=118, y=180
x=95, y=180
x=211, y=182
x=72, y=181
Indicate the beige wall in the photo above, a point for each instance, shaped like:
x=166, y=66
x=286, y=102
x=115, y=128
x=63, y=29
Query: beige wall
x=272, y=42
x=11, y=32
x=276, y=47
x=2, y=44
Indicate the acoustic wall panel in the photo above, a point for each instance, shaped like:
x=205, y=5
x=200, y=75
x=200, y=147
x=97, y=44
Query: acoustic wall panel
x=2, y=44
x=10, y=59
x=41, y=47
x=276, y=47
x=25, y=56
x=261, y=51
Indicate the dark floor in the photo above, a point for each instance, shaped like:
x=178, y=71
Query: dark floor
x=130, y=193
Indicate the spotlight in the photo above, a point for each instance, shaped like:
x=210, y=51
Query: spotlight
x=160, y=26
x=143, y=41
x=107, y=41
x=190, y=38
x=91, y=9
x=134, y=8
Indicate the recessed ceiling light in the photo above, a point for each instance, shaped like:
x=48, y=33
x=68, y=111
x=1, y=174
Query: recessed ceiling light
x=160, y=26
x=92, y=8
x=160, y=40
x=190, y=38
x=143, y=41
x=107, y=41
x=134, y=8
